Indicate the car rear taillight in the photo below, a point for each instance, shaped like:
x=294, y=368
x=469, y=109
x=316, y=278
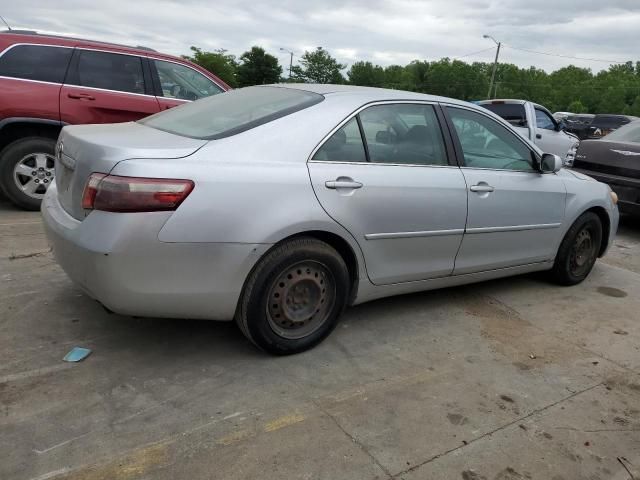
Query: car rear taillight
x=112, y=193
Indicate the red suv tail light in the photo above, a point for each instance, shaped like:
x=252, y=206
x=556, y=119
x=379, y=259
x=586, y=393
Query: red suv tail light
x=112, y=193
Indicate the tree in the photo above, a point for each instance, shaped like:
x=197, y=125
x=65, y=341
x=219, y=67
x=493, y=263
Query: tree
x=218, y=62
x=576, y=107
x=366, y=74
x=257, y=68
x=318, y=66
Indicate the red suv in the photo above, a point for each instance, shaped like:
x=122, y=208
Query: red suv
x=47, y=82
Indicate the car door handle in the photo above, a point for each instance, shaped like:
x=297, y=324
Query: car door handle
x=481, y=188
x=538, y=136
x=333, y=184
x=81, y=96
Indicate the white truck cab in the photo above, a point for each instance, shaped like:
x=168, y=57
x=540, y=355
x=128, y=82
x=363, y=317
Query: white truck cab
x=536, y=123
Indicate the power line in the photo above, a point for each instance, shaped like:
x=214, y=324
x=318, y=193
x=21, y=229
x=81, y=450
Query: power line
x=561, y=55
x=474, y=53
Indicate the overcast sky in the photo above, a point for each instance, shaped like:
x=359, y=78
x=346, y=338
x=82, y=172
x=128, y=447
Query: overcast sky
x=384, y=32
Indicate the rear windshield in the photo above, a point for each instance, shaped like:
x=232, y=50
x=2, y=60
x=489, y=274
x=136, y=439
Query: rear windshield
x=232, y=112
x=512, y=112
x=628, y=133
x=604, y=121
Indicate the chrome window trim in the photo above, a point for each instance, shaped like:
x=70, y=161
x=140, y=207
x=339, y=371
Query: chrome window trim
x=30, y=80
x=364, y=107
x=414, y=165
x=71, y=85
x=425, y=233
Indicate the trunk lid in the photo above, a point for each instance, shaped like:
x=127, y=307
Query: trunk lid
x=85, y=149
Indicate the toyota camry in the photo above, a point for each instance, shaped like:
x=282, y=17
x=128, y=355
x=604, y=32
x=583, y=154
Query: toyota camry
x=278, y=206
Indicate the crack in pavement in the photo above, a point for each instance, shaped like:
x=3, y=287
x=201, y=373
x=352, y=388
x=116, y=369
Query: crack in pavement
x=488, y=434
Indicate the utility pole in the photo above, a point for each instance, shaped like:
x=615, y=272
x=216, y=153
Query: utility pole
x=290, y=59
x=495, y=64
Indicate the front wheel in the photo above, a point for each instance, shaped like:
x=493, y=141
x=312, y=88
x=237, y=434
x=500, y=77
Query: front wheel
x=579, y=250
x=27, y=169
x=294, y=296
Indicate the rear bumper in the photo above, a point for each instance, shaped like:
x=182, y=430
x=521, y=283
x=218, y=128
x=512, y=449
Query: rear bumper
x=627, y=189
x=117, y=259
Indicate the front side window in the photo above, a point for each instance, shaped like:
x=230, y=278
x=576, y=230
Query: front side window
x=487, y=144
x=110, y=71
x=184, y=83
x=238, y=110
x=403, y=134
x=343, y=146
x=36, y=62
x=544, y=120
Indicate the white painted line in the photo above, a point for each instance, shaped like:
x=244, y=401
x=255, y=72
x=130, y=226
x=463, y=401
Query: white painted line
x=19, y=223
x=34, y=373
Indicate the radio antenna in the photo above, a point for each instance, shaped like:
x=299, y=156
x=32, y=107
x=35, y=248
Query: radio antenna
x=5, y=22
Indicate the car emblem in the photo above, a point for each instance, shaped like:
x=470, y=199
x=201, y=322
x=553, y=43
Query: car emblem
x=626, y=153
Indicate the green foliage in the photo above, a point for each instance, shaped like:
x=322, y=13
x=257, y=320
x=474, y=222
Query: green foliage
x=571, y=89
x=318, y=66
x=366, y=74
x=218, y=62
x=257, y=68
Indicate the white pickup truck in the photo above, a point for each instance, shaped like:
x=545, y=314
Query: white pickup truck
x=536, y=123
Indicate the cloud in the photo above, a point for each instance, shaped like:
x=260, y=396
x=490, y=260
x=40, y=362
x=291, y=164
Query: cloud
x=385, y=32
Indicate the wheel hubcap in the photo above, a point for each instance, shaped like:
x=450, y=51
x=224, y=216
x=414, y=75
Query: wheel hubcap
x=34, y=173
x=301, y=299
x=582, y=253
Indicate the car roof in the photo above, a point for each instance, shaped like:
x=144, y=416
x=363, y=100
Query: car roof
x=29, y=36
x=368, y=94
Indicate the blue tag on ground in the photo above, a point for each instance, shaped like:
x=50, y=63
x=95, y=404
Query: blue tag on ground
x=77, y=354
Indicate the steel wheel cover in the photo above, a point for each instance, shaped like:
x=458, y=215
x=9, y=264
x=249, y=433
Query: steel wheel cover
x=301, y=299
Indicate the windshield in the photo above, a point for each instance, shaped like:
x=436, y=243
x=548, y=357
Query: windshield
x=628, y=133
x=232, y=112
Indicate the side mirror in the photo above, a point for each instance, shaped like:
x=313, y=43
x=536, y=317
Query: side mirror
x=550, y=163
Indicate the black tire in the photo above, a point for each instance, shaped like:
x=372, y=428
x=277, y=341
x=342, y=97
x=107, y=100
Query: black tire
x=305, y=283
x=578, y=251
x=11, y=155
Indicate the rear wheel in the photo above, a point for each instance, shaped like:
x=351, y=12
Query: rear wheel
x=579, y=250
x=294, y=297
x=27, y=169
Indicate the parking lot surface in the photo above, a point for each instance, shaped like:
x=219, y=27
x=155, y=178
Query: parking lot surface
x=510, y=379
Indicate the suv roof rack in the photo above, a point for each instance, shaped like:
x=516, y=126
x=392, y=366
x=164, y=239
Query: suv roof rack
x=33, y=32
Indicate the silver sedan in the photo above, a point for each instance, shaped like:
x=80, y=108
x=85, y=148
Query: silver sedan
x=278, y=206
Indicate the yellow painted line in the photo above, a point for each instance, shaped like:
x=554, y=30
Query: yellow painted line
x=134, y=465
x=282, y=422
x=235, y=437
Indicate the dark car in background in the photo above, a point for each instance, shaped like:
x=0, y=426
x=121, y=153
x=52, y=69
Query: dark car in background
x=604, y=124
x=49, y=81
x=578, y=124
x=615, y=160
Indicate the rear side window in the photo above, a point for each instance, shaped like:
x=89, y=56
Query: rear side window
x=36, y=62
x=232, y=112
x=110, y=71
x=343, y=146
x=513, y=113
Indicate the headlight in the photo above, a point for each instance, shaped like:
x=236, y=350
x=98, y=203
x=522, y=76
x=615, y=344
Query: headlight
x=614, y=197
x=571, y=155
